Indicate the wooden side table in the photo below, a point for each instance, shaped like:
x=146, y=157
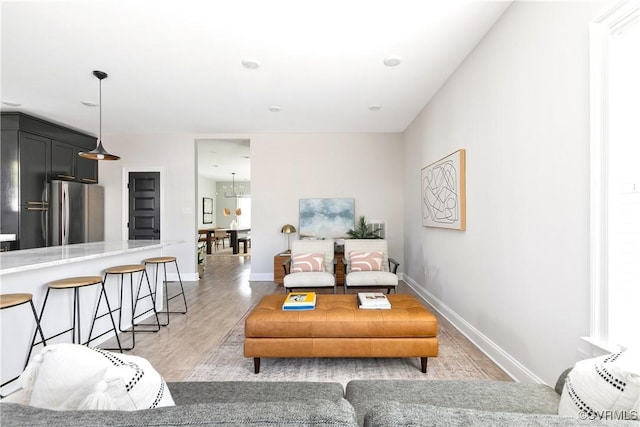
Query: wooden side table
x=339, y=268
x=278, y=271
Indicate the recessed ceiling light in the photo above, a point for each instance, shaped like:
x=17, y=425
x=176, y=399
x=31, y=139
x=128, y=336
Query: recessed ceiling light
x=374, y=107
x=392, y=61
x=275, y=109
x=11, y=103
x=89, y=103
x=250, y=64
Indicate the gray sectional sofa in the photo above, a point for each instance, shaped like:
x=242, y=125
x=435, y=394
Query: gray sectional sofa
x=363, y=402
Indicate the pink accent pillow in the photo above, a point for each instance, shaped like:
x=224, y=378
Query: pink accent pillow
x=366, y=261
x=305, y=262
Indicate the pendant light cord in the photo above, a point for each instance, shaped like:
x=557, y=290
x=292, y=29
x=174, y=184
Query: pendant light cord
x=100, y=129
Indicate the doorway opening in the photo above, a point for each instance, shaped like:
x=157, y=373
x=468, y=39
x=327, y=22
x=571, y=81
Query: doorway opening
x=224, y=176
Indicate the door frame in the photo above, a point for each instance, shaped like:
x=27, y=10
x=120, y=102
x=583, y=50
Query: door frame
x=125, y=197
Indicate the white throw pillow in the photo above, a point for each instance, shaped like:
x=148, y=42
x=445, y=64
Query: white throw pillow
x=603, y=387
x=72, y=376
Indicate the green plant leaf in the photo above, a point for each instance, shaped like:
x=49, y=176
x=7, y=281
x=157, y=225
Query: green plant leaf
x=362, y=231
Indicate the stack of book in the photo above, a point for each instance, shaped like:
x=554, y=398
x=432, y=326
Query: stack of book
x=296, y=301
x=373, y=300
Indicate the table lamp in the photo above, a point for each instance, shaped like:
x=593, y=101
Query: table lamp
x=288, y=229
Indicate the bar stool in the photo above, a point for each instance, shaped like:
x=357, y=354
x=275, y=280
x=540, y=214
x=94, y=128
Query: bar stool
x=131, y=269
x=164, y=261
x=14, y=300
x=76, y=283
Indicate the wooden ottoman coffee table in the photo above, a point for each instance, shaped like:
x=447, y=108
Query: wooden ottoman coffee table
x=338, y=328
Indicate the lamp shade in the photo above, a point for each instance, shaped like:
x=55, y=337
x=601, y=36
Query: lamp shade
x=288, y=228
x=98, y=153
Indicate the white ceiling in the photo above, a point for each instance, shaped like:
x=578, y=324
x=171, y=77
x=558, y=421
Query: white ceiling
x=176, y=66
x=218, y=159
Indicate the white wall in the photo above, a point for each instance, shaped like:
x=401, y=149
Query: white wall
x=284, y=169
x=207, y=188
x=287, y=168
x=174, y=157
x=517, y=281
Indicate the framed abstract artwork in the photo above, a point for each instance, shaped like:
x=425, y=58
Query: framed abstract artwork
x=326, y=218
x=444, y=192
x=207, y=210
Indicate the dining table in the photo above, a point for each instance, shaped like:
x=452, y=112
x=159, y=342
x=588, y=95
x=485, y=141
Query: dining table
x=233, y=237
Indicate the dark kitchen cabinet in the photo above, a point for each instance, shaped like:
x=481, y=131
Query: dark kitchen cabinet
x=34, y=208
x=67, y=165
x=34, y=152
x=25, y=168
x=63, y=161
x=86, y=169
x=34, y=166
x=9, y=184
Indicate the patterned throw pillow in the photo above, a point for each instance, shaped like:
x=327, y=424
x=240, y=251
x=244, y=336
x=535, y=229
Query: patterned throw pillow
x=603, y=387
x=306, y=262
x=366, y=261
x=73, y=376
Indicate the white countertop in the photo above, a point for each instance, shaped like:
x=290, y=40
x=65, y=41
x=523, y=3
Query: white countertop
x=31, y=259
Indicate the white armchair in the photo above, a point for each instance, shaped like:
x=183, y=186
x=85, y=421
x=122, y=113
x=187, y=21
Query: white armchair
x=309, y=271
x=367, y=264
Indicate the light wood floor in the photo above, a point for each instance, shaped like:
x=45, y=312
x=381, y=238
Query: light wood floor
x=216, y=303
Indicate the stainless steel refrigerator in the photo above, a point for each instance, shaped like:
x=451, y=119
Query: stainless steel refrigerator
x=76, y=213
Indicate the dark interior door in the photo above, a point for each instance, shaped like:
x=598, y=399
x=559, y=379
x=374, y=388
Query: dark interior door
x=144, y=205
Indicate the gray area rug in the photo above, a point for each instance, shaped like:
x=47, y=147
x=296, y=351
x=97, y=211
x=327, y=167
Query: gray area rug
x=226, y=362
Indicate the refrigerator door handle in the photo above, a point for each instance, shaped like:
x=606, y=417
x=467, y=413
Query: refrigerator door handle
x=65, y=215
x=44, y=219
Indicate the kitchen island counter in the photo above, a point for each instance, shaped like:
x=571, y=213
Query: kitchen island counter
x=32, y=259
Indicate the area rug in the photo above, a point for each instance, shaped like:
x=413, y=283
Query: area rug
x=226, y=362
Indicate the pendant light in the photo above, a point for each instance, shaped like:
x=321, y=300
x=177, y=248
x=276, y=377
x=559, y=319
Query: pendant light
x=99, y=153
x=236, y=192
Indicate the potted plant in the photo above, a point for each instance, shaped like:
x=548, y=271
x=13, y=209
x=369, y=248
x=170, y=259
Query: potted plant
x=362, y=231
x=202, y=249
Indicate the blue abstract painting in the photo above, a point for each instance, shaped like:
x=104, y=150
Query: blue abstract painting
x=326, y=218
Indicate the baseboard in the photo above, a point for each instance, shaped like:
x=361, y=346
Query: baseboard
x=499, y=356
x=261, y=277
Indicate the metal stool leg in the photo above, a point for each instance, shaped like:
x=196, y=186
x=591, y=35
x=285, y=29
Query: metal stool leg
x=166, y=291
x=109, y=313
x=76, y=317
x=135, y=297
x=151, y=294
x=155, y=291
x=184, y=298
x=37, y=331
x=35, y=334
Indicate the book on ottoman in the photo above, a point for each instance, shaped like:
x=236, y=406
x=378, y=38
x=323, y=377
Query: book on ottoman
x=373, y=300
x=299, y=301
